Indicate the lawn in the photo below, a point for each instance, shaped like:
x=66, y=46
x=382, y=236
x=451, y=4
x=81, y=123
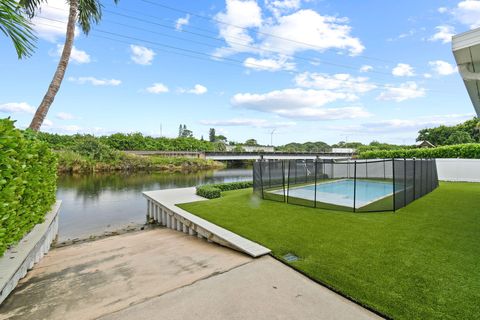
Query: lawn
x=421, y=262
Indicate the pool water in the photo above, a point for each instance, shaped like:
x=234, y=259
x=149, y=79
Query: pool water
x=340, y=192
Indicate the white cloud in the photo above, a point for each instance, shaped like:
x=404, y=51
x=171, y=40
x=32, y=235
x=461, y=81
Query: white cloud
x=182, y=22
x=245, y=122
x=94, y=81
x=410, y=126
x=47, y=123
x=71, y=128
x=444, y=33
x=51, y=22
x=141, y=55
x=442, y=68
x=64, y=116
x=269, y=64
x=278, y=7
x=442, y=9
x=468, y=13
x=310, y=31
x=427, y=75
x=237, y=16
x=157, y=88
x=403, y=70
x=366, y=68
x=405, y=91
x=340, y=82
x=17, y=107
x=77, y=56
x=306, y=29
x=300, y=103
x=198, y=89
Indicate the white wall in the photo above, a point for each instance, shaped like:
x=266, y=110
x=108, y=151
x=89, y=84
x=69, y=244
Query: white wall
x=459, y=170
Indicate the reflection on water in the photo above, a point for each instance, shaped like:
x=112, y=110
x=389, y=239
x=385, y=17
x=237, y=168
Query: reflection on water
x=94, y=204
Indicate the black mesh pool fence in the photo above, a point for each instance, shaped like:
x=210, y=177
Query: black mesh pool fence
x=353, y=185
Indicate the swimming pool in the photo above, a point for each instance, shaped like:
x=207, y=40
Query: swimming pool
x=341, y=192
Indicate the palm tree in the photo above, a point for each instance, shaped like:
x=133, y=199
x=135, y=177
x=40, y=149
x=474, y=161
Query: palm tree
x=15, y=25
x=83, y=12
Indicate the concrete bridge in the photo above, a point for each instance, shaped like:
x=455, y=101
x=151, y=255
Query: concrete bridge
x=230, y=156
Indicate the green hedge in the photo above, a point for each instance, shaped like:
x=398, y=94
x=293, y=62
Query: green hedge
x=212, y=191
x=27, y=182
x=467, y=151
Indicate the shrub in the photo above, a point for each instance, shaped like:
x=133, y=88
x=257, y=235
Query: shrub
x=95, y=150
x=212, y=191
x=208, y=191
x=467, y=151
x=27, y=182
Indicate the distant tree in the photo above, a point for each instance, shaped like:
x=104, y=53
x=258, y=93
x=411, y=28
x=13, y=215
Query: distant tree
x=211, y=135
x=441, y=135
x=343, y=144
x=251, y=142
x=221, y=138
x=187, y=133
x=201, y=138
x=238, y=148
x=180, y=130
x=219, y=146
x=459, y=137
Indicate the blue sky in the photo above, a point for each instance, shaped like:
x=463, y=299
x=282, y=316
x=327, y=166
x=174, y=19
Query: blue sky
x=311, y=70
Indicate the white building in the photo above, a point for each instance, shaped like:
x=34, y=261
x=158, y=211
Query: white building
x=466, y=49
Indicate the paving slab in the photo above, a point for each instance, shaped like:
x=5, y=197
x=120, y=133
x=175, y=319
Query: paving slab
x=261, y=289
x=165, y=274
x=89, y=280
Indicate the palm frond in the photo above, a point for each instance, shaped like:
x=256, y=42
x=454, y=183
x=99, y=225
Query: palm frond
x=89, y=12
x=15, y=25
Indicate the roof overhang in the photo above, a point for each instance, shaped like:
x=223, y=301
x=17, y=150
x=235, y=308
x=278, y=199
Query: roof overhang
x=466, y=49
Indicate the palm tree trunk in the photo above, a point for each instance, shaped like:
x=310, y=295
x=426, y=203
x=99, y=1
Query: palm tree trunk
x=47, y=101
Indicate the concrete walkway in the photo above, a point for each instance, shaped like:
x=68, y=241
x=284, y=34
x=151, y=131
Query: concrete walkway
x=164, y=274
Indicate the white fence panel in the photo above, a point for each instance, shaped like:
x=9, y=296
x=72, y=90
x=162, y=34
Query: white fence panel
x=459, y=170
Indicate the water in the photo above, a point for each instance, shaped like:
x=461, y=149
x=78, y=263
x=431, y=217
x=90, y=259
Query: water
x=341, y=192
x=95, y=204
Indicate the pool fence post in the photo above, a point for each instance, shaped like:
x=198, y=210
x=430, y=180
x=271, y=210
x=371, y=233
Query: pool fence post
x=366, y=168
x=283, y=179
x=414, y=177
x=384, y=175
x=354, y=184
x=315, y=190
x=404, y=182
x=269, y=175
x=394, y=180
x=288, y=178
x=421, y=177
x=261, y=174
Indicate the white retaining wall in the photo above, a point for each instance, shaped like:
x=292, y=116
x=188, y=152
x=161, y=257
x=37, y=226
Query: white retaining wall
x=17, y=260
x=459, y=170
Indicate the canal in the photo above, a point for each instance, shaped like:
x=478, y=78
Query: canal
x=98, y=204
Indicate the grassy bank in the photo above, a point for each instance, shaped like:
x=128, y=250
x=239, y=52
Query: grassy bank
x=421, y=262
x=74, y=162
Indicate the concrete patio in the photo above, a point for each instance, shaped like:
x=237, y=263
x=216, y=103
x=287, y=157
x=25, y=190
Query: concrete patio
x=166, y=274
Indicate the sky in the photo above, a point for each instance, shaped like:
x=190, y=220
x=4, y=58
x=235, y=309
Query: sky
x=306, y=70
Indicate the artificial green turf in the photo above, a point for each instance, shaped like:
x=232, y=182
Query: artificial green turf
x=422, y=262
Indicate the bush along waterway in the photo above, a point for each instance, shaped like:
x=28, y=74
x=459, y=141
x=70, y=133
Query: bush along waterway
x=98, y=204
